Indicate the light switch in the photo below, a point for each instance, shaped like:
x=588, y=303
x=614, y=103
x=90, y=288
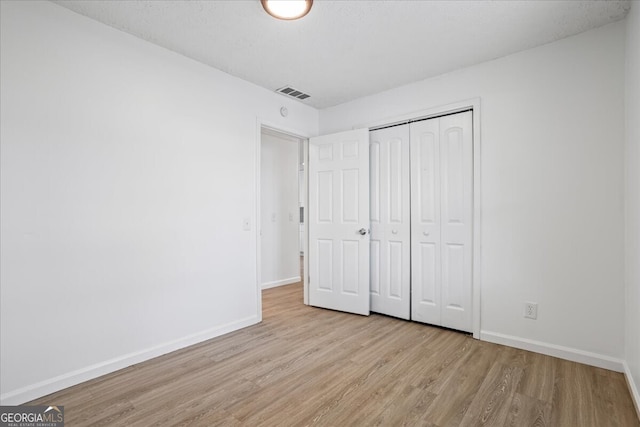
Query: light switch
x=246, y=224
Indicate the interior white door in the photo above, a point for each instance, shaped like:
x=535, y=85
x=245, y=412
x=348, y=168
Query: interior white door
x=339, y=221
x=390, y=221
x=441, y=220
x=456, y=177
x=425, y=222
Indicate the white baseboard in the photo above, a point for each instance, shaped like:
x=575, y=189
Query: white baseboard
x=43, y=388
x=282, y=282
x=633, y=388
x=567, y=353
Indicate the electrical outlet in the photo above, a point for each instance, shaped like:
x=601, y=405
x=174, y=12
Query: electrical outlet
x=531, y=310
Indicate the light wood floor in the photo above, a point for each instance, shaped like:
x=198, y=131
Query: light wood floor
x=304, y=366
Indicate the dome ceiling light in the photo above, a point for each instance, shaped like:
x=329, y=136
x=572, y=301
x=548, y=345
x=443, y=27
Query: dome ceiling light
x=287, y=9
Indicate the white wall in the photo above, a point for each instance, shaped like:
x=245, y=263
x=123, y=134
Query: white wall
x=279, y=211
x=552, y=133
x=126, y=172
x=632, y=199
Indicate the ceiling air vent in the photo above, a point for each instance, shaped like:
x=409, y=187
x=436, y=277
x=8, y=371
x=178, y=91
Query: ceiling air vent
x=294, y=93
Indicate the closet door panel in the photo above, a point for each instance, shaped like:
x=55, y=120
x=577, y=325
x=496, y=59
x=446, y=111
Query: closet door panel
x=396, y=275
x=425, y=283
x=456, y=159
x=396, y=182
x=425, y=221
x=375, y=267
x=390, y=221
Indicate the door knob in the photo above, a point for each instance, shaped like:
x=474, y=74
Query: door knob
x=394, y=231
x=426, y=233
x=363, y=231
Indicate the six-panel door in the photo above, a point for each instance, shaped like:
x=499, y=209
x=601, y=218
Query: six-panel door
x=339, y=221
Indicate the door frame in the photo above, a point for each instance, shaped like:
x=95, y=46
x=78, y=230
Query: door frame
x=437, y=111
x=295, y=133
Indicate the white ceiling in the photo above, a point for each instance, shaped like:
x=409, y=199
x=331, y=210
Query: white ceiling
x=343, y=50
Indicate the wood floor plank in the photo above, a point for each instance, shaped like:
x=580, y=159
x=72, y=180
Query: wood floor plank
x=572, y=398
x=296, y=405
x=450, y=351
x=614, y=408
x=309, y=366
x=538, y=377
x=493, y=401
x=527, y=411
x=457, y=393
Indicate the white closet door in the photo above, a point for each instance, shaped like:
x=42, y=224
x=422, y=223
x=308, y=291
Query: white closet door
x=390, y=221
x=339, y=221
x=456, y=172
x=441, y=220
x=425, y=222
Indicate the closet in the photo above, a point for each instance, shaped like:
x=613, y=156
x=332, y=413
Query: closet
x=421, y=209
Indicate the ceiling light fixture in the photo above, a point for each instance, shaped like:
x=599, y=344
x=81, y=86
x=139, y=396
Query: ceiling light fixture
x=287, y=9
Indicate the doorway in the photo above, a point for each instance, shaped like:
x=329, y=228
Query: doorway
x=280, y=209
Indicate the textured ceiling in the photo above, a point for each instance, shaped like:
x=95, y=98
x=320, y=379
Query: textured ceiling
x=343, y=50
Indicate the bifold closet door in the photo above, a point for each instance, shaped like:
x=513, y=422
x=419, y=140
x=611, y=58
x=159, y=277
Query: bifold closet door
x=441, y=220
x=390, y=221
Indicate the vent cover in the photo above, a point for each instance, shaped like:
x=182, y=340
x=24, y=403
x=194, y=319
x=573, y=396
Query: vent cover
x=294, y=93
